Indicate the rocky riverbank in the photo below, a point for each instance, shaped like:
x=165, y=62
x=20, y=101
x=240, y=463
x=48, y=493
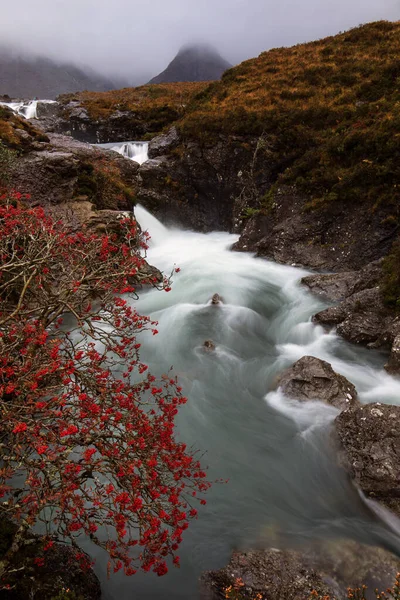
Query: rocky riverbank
x=325, y=571
x=368, y=443
x=36, y=569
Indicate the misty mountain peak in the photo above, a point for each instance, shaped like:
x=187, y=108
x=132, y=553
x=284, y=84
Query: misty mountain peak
x=194, y=62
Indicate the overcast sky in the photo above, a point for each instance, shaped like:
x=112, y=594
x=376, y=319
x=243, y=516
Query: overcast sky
x=128, y=37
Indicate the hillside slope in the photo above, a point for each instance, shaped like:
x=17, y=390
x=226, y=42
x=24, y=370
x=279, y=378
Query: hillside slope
x=330, y=110
x=299, y=150
x=197, y=62
x=126, y=114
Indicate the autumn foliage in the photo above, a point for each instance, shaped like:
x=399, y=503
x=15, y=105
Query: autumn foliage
x=87, y=442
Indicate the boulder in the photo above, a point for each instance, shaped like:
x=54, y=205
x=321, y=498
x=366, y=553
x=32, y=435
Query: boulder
x=370, y=448
x=59, y=572
x=362, y=318
x=216, y=299
x=327, y=568
x=209, y=346
x=65, y=169
x=273, y=574
x=47, y=109
x=393, y=365
x=313, y=379
x=161, y=144
x=338, y=286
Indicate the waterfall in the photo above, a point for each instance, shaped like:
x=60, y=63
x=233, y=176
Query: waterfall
x=23, y=109
x=137, y=151
x=26, y=108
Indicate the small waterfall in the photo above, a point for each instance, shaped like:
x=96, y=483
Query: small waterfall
x=26, y=109
x=137, y=151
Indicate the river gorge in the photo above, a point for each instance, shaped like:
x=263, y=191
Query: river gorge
x=283, y=484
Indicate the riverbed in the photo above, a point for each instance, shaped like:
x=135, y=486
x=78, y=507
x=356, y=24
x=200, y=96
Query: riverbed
x=277, y=455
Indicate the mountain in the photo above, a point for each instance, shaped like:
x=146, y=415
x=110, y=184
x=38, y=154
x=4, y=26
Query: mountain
x=22, y=76
x=196, y=62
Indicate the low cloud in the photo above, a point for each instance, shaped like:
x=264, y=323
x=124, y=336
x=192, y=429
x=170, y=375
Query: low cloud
x=135, y=39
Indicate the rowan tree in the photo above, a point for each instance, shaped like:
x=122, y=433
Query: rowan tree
x=87, y=439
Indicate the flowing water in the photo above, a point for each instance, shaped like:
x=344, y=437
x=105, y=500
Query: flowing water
x=27, y=109
x=137, y=151
x=283, y=481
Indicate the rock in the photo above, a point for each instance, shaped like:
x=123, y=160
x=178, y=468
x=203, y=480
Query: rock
x=335, y=238
x=216, y=299
x=338, y=286
x=65, y=169
x=72, y=118
x=161, y=144
x=274, y=574
x=362, y=318
x=313, y=379
x=370, y=448
x=47, y=109
x=328, y=567
x=209, y=346
x=60, y=573
x=197, y=183
x=393, y=365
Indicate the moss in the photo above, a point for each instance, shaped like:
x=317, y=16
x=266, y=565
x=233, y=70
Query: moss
x=267, y=201
x=391, y=280
x=103, y=184
x=250, y=212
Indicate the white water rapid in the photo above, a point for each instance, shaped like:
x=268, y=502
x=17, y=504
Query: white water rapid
x=284, y=482
x=27, y=109
x=137, y=151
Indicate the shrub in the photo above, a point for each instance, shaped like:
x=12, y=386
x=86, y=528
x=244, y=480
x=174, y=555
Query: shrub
x=87, y=434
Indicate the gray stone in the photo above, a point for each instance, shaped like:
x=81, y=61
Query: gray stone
x=216, y=299
x=313, y=379
x=164, y=143
x=370, y=449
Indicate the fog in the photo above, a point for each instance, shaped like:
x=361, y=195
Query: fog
x=131, y=39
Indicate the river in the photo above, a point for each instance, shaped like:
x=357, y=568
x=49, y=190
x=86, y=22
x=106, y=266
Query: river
x=277, y=455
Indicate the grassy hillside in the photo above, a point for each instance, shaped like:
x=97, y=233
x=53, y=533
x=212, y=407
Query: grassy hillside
x=330, y=110
x=157, y=105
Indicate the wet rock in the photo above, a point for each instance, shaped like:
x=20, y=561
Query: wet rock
x=47, y=109
x=60, y=572
x=275, y=574
x=336, y=238
x=57, y=172
x=328, y=567
x=197, y=183
x=370, y=448
x=362, y=318
x=209, y=346
x=313, y=379
x=393, y=365
x=338, y=286
x=161, y=144
x=216, y=299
